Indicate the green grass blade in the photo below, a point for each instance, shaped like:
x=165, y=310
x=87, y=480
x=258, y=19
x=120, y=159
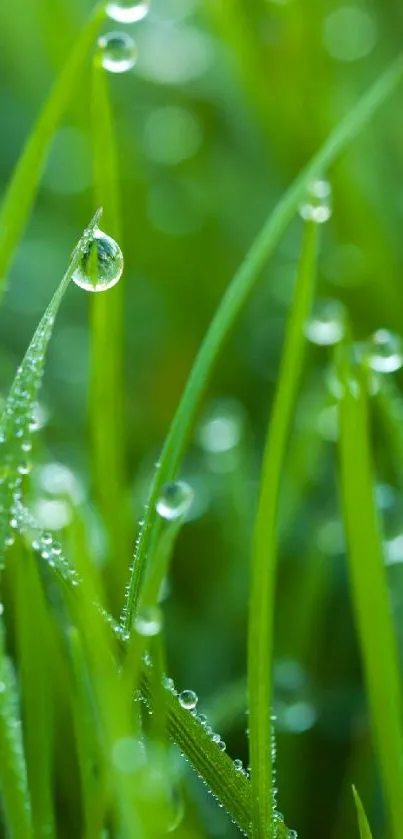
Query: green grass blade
x=14, y=793
x=261, y=606
x=229, y=786
x=34, y=633
x=107, y=386
x=232, y=304
x=370, y=593
x=23, y=187
x=15, y=431
x=363, y=824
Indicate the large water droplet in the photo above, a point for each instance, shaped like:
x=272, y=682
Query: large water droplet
x=127, y=11
x=118, y=52
x=326, y=325
x=188, y=699
x=148, y=621
x=175, y=500
x=101, y=263
x=317, y=206
x=385, y=353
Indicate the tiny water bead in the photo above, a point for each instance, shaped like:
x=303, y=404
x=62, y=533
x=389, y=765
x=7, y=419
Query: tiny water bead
x=101, y=263
x=148, y=621
x=188, y=699
x=126, y=11
x=327, y=323
x=385, y=352
x=175, y=500
x=118, y=52
x=317, y=205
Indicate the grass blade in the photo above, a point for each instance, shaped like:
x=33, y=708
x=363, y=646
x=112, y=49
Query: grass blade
x=14, y=793
x=107, y=387
x=23, y=187
x=232, y=304
x=363, y=824
x=15, y=431
x=261, y=607
x=34, y=633
x=370, y=593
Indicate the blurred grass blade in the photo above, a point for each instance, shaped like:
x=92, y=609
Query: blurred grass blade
x=369, y=591
x=34, y=634
x=15, y=422
x=107, y=330
x=233, y=303
x=264, y=560
x=363, y=824
x=22, y=189
x=14, y=793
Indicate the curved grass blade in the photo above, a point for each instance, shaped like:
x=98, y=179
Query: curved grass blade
x=15, y=422
x=14, y=793
x=369, y=590
x=233, y=303
x=363, y=823
x=23, y=187
x=261, y=606
x=107, y=388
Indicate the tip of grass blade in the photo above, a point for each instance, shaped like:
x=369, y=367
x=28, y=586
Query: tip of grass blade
x=363, y=824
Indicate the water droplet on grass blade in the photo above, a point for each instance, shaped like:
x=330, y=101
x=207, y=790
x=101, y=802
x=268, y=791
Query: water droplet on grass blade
x=127, y=11
x=238, y=765
x=317, y=205
x=118, y=52
x=188, y=699
x=148, y=621
x=174, y=501
x=326, y=324
x=101, y=263
x=385, y=354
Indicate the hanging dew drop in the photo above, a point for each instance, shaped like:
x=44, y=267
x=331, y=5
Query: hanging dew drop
x=149, y=621
x=101, y=263
x=175, y=500
x=118, y=52
x=128, y=12
x=385, y=353
x=317, y=205
x=188, y=699
x=327, y=323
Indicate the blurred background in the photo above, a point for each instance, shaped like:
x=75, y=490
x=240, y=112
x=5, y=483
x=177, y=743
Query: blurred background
x=225, y=104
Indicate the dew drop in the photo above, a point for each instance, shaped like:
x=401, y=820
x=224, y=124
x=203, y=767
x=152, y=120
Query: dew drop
x=188, y=699
x=174, y=501
x=118, y=52
x=385, y=354
x=101, y=263
x=317, y=205
x=326, y=325
x=238, y=765
x=149, y=621
x=129, y=11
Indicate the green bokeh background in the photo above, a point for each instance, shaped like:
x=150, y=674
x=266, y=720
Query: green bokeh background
x=227, y=102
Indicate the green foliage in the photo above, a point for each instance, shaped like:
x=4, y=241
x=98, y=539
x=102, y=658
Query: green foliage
x=94, y=738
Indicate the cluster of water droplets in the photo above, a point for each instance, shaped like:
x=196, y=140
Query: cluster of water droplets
x=42, y=542
x=317, y=206
x=17, y=424
x=117, y=50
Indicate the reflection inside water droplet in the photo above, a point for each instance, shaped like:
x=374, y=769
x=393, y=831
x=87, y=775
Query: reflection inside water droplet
x=188, y=699
x=175, y=500
x=327, y=322
x=317, y=206
x=118, y=52
x=127, y=11
x=148, y=621
x=101, y=263
x=385, y=353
